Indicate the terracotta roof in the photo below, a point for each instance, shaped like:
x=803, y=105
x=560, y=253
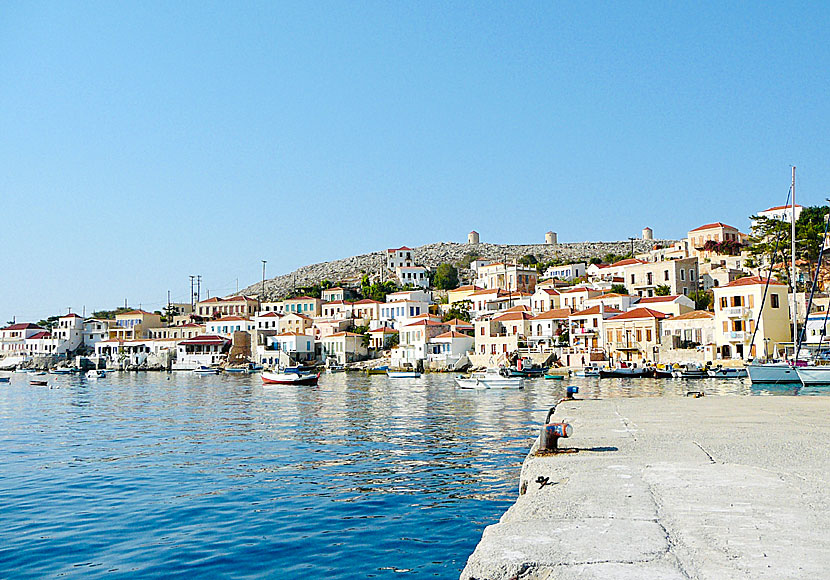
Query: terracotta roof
x=383, y=330
x=231, y=319
x=627, y=262
x=135, y=312
x=42, y=334
x=609, y=295
x=452, y=334
x=303, y=316
x=639, y=313
x=330, y=289
x=750, y=280
x=344, y=333
x=778, y=207
x=693, y=315
x=292, y=333
x=578, y=289
x=472, y=287
x=595, y=310
x=368, y=301
x=514, y=316
x=550, y=291
x=496, y=291
x=653, y=299
x=70, y=315
x=271, y=315
x=519, y=308
x=427, y=323
x=713, y=226
x=458, y=322
x=555, y=314
x=397, y=249
x=301, y=298
x=335, y=302
x=21, y=326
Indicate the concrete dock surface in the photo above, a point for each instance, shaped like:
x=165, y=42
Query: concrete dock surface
x=672, y=488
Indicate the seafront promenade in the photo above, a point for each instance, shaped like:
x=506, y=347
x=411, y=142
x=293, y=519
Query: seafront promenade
x=672, y=488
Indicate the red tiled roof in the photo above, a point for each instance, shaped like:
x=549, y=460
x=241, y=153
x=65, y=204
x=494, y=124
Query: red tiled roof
x=609, y=295
x=205, y=339
x=231, y=319
x=713, y=226
x=70, y=315
x=519, y=308
x=639, y=313
x=578, y=289
x=292, y=333
x=514, y=316
x=301, y=298
x=457, y=322
x=750, y=280
x=335, y=302
x=21, y=326
x=271, y=315
x=595, y=310
x=555, y=314
x=368, y=301
x=427, y=323
x=135, y=312
x=472, y=287
x=549, y=291
x=452, y=334
x=398, y=249
x=627, y=262
x=653, y=299
x=694, y=314
x=383, y=330
x=43, y=334
x=778, y=207
x=496, y=291
x=344, y=333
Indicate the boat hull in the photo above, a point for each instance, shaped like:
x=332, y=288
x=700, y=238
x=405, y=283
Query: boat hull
x=772, y=374
x=814, y=375
x=625, y=373
x=403, y=375
x=289, y=379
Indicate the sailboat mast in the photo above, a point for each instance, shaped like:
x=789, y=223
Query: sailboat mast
x=792, y=278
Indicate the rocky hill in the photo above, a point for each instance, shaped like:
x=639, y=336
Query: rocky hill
x=431, y=255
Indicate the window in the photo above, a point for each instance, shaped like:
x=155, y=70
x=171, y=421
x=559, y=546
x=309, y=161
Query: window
x=683, y=275
x=648, y=335
x=639, y=335
x=773, y=300
x=723, y=302
x=632, y=278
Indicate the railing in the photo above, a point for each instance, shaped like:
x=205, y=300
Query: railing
x=737, y=312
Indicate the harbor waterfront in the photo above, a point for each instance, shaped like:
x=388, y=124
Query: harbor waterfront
x=180, y=475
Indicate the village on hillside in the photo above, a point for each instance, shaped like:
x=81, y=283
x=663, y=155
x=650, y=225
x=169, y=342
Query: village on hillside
x=703, y=298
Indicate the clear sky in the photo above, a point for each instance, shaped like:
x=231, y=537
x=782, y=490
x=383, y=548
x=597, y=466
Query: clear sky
x=143, y=142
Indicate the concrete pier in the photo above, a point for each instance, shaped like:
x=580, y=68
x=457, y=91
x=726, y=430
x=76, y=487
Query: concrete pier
x=672, y=488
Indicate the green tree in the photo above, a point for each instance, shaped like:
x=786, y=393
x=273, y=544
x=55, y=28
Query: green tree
x=702, y=298
x=467, y=258
x=528, y=260
x=460, y=310
x=446, y=277
x=619, y=289
x=662, y=290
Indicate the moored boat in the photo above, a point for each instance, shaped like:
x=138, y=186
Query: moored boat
x=269, y=378
x=377, y=370
x=489, y=379
x=814, y=374
x=689, y=371
x=591, y=370
x=727, y=373
x=403, y=374
x=772, y=373
x=203, y=370
x=632, y=372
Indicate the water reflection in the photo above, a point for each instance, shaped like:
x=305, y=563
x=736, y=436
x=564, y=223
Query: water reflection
x=176, y=474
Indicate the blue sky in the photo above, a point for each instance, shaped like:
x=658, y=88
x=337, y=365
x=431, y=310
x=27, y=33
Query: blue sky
x=143, y=143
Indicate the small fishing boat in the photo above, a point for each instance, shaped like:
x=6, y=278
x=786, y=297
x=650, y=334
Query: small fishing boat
x=663, y=373
x=203, y=370
x=377, y=370
x=728, y=373
x=38, y=383
x=555, y=377
x=284, y=378
x=626, y=372
x=249, y=368
x=62, y=371
x=690, y=371
x=95, y=374
x=490, y=379
x=5, y=379
x=591, y=370
x=403, y=374
x=335, y=368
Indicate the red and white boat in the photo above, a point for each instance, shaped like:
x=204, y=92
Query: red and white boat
x=289, y=379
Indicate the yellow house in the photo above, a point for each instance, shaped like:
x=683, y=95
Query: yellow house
x=634, y=335
x=736, y=314
x=133, y=324
x=461, y=293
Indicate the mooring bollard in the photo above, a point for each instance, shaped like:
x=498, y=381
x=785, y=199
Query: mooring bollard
x=551, y=432
x=572, y=390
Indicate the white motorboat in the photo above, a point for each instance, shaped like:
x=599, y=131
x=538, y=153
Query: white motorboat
x=403, y=374
x=592, y=370
x=489, y=379
x=203, y=370
x=95, y=374
x=269, y=378
x=772, y=373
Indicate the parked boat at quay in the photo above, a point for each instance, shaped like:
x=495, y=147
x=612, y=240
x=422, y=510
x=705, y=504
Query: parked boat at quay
x=203, y=370
x=626, y=372
x=403, y=374
x=490, y=379
x=727, y=372
x=690, y=371
x=591, y=370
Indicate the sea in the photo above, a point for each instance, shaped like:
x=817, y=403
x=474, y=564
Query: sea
x=175, y=475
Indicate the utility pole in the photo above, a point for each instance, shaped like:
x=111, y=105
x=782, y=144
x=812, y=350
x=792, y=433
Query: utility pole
x=192, y=293
x=632, y=245
x=261, y=288
x=198, y=288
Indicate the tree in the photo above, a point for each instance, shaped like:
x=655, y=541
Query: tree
x=662, y=290
x=467, y=258
x=702, y=298
x=595, y=260
x=459, y=310
x=528, y=260
x=446, y=277
x=619, y=289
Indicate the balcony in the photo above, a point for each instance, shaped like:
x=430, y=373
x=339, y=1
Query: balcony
x=737, y=312
x=735, y=335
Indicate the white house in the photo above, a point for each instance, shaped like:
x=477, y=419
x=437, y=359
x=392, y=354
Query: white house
x=447, y=349
x=229, y=324
x=567, y=271
x=344, y=347
x=398, y=257
x=298, y=346
x=202, y=350
x=413, y=276
x=782, y=213
x=68, y=333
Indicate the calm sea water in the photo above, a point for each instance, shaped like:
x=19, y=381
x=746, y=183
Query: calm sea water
x=176, y=475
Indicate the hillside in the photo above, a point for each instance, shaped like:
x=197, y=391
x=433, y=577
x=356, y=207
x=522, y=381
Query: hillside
x=431, y=255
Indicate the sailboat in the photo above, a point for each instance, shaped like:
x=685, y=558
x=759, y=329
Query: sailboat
x=780, y=372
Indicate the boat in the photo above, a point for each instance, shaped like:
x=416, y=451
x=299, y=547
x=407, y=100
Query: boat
x=62, y=371
x=490, y=379
x=555, y=377
x=626, y=372
x=814, y=374
x=38, y=383
x=591, y=370
x=269, y=378
x=377, y=370
x=95, y=374
x=335, y=368
x=663, y=372
x=5, y=379
x=727, y=373
x=203, y=370
x=772, y=373
x=403, y=374
x=249, y=368
x=690, y=371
